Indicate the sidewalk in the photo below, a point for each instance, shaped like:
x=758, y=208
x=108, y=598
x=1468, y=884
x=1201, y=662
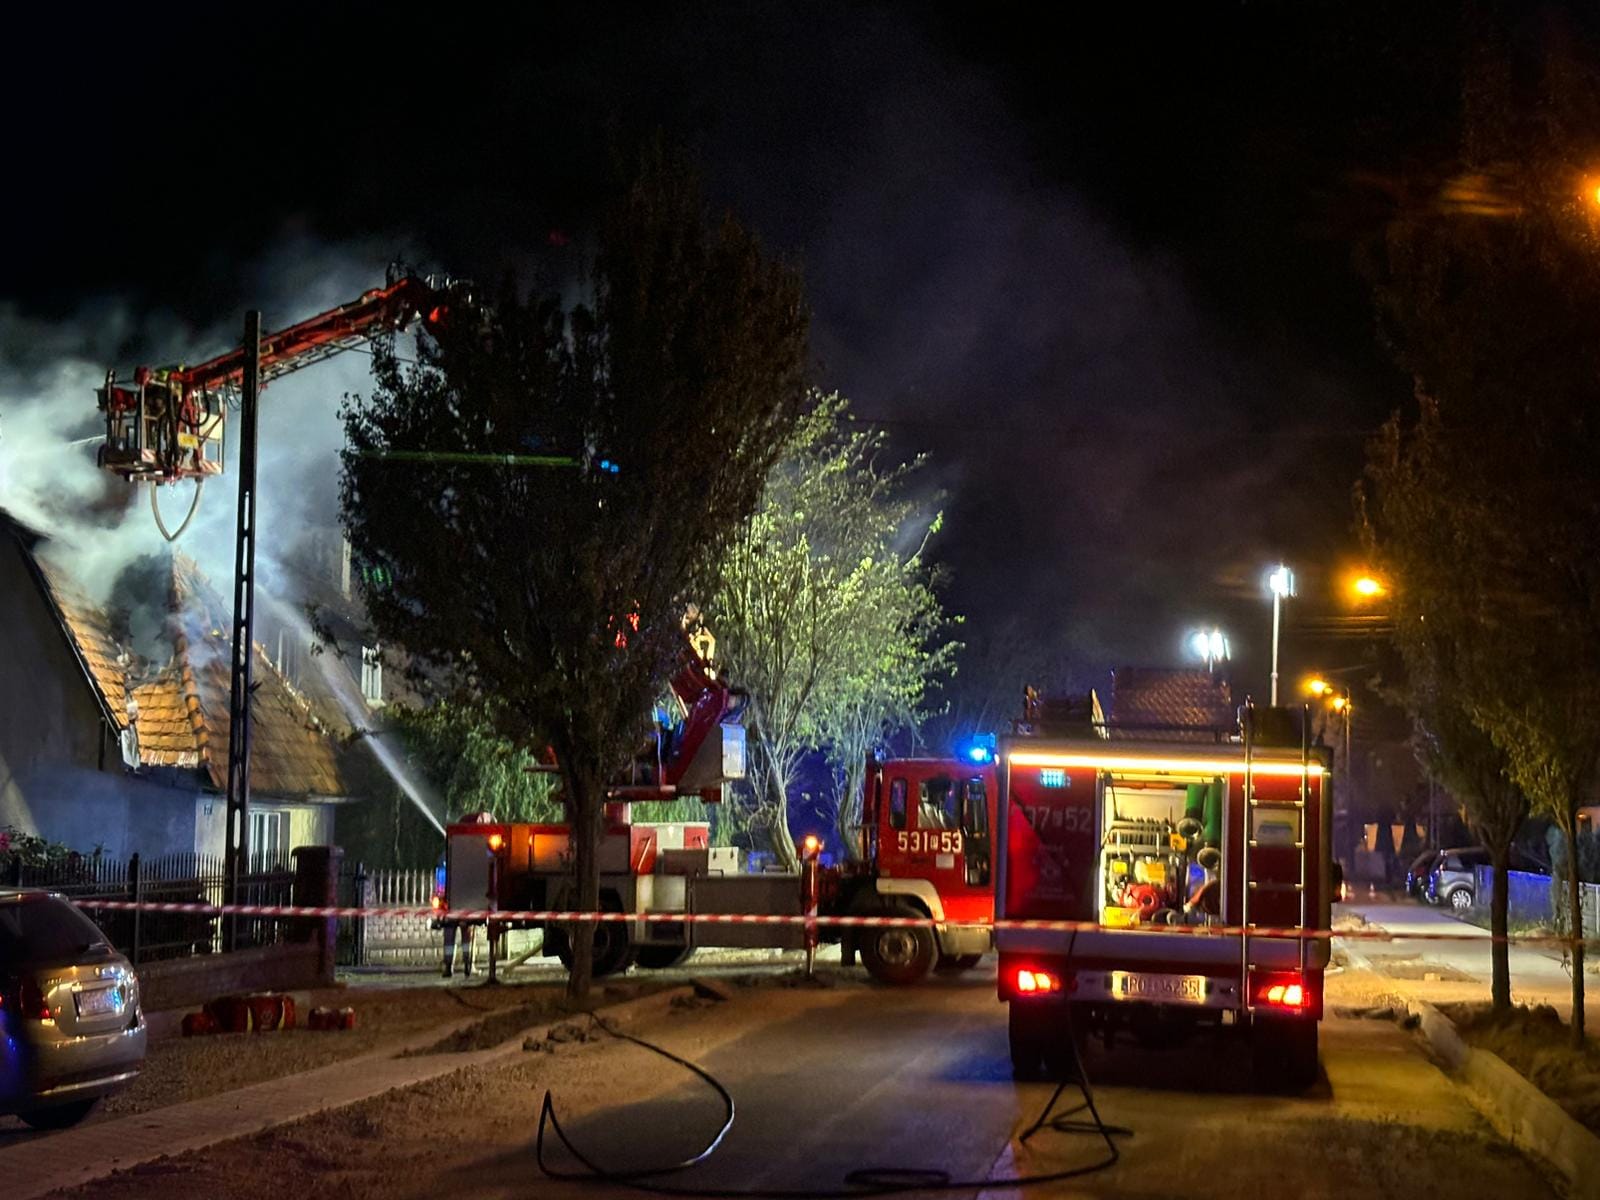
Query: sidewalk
x=90, y=1152
x=1538, y=975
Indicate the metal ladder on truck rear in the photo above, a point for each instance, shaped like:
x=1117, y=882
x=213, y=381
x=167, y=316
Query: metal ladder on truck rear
x=1254, y=804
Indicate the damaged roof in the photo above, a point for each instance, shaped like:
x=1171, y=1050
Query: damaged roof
x=178, y=710
x=88, y=629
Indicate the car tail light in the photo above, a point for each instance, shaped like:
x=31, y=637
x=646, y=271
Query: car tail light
x=23, y=997
x=1032, y=982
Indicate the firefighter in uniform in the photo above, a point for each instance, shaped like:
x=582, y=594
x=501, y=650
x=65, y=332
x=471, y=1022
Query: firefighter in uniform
x=452, y=929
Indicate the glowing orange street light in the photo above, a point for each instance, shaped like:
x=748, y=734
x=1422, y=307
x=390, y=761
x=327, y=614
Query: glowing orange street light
x=1318, y=687
x=1340, y=703
x=1368, y=587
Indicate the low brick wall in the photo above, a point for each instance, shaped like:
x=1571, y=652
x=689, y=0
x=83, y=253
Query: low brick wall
x=190, y=982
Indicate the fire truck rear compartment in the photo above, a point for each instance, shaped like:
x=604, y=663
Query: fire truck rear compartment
x=1161, y=851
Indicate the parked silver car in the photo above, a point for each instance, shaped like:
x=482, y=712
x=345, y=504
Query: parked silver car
x=70, y=1026
x=1453, y=880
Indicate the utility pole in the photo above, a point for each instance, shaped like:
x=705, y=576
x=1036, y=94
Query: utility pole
x=244, y=598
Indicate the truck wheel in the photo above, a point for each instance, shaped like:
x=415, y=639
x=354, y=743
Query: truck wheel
x=1283, y=1052
x=659, y=958
x=954, y=964
x=613, y=951
x=897, y=955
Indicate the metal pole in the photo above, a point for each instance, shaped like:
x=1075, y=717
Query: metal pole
x=244, y=593
x=1277, y=608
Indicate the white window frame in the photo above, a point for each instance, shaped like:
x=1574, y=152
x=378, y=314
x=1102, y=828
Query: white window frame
x=372, y=675
x=263, y=820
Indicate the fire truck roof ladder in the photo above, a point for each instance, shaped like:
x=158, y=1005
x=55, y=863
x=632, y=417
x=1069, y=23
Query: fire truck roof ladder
x=1250, y=885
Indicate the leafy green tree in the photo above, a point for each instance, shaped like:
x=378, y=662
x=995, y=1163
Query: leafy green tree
x=831, y=626
x=558, y=591
x=472, y=766
x=1494, y=310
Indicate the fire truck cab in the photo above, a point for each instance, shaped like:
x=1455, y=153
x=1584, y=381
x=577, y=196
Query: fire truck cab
x=1184, y=878
x=927, y=826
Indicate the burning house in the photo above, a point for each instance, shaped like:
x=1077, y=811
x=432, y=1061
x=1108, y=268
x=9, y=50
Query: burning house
x=114, y=719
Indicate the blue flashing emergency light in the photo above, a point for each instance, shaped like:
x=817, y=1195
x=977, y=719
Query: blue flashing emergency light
x=980, y=749
x=610, y=467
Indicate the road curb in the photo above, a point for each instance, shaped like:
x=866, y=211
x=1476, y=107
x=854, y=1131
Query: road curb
x=1518, y=1111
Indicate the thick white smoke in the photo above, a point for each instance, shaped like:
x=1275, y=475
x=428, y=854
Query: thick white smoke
x=100, y=530
x=97, y=524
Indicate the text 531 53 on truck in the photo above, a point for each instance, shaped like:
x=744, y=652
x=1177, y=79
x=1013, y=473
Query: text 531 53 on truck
x=1144, y=849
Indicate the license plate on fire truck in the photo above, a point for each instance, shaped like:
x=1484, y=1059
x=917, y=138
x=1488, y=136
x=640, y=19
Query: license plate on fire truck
x=1173, y=989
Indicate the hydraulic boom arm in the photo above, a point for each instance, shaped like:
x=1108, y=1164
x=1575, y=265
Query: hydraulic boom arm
x=168, y=424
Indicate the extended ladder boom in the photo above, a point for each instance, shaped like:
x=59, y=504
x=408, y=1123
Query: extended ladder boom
x=168, y=424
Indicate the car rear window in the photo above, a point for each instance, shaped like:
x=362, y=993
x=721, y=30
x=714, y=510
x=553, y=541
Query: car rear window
x=40, y=928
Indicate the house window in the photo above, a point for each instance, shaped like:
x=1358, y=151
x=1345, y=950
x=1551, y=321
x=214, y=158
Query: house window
x=269, y=831
x=372, y=675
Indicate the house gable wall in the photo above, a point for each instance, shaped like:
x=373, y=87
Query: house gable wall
x=61, y=770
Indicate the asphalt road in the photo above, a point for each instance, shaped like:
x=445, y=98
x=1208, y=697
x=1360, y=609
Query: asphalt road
x=830, y=1082
x=828, y=1079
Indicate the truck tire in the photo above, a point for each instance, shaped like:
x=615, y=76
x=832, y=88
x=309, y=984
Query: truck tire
x=1283, y=1052
x=660, y=958
x=899, y=956
x=614, y=951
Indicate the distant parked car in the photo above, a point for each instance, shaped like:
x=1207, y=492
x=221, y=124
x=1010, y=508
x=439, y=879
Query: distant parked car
x=1453, y=879
x=1417, y=874
x=70, y=1026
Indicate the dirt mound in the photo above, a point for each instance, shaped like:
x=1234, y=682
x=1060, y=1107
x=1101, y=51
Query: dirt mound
x=489, y=1032
x=1537, y=1044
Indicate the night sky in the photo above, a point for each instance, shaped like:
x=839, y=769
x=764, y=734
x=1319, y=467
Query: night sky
x=1107, y=272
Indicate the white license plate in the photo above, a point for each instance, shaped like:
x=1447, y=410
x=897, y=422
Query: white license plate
x=99, y=1002
x=1174, y=989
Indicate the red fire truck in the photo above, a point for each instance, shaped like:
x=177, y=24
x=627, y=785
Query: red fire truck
x=925, y=853
x=1158, y=846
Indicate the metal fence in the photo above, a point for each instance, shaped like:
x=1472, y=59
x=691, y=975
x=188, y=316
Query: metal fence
x=387, y=940
x=1534, y=899
x=168, y=878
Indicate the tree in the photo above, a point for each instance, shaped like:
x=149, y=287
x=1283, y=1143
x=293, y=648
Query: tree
x=472, y=765
x=1494, y=310
x=1411, y=511
x=825, y=615
x=566, y=481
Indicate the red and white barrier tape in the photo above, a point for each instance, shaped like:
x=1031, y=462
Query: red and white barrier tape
x=531, y=916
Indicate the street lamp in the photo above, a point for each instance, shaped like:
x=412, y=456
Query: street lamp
x=1367, y=586
x=1281, y=584
x=1211, y=645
